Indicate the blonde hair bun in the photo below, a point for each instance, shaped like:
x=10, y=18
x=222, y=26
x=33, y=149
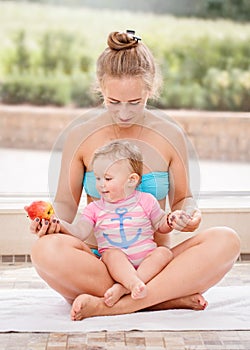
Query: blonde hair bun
x=121, y=41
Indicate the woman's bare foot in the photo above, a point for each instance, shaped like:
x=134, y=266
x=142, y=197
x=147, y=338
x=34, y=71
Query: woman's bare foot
x=192, y=302
x=85, y=305
x=139, y=290
x=113, y=294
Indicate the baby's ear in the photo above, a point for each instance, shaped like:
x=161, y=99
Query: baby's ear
x=133, y=180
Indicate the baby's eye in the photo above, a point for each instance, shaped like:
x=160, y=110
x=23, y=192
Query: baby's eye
x=108, y=178
x=97, y=178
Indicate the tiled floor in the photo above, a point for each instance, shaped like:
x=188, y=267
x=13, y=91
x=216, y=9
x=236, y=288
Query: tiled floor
x=22, y=276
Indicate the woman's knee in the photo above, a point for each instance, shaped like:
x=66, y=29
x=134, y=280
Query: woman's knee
x=52, y=247
x=42, y=248
x=226, y=238
x=233, y=240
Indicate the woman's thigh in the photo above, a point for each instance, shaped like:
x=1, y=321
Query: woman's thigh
x=221, y=237
x=68, y=266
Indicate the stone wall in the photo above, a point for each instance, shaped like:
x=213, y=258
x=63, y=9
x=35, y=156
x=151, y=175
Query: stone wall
x=215, y=135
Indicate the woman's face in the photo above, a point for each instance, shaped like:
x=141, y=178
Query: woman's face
x=125, y=98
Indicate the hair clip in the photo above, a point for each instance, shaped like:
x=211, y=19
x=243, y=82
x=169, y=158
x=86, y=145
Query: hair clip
x=131, y=33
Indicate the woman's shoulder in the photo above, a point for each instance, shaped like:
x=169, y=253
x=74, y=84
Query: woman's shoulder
x=160, y=122
x=88, y=123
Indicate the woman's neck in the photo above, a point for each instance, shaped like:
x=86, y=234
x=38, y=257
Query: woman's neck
x=133, y=131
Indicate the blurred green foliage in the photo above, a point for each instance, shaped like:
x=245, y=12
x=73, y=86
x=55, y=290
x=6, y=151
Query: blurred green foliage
x=36, y=90
x=207, y=74
x=233, y=9
x=205, y=64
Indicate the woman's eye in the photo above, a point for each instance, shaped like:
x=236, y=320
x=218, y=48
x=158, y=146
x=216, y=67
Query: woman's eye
x=134, y=103
x=114, y=102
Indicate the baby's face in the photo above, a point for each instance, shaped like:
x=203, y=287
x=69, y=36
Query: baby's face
x=113, y=180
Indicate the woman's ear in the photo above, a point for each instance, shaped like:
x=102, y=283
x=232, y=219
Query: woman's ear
x=133, y=180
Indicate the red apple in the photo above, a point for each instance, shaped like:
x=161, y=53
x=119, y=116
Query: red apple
x=39, y=209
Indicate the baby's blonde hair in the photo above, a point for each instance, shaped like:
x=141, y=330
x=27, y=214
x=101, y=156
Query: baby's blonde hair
x=122, y=150
x=126, y=56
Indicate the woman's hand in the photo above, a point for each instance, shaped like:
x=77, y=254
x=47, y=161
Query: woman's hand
x=44, y=227
x=182, y=221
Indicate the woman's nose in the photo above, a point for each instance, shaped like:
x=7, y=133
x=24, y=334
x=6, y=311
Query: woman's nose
x=123, y=109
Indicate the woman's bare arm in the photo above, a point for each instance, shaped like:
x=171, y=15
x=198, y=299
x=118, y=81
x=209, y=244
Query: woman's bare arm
x=180, y=195
x=70, y=182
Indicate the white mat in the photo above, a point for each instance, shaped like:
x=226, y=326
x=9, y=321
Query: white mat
x=43, y=310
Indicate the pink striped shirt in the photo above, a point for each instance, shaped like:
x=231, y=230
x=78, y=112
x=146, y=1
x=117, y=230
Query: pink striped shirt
x=128, y=224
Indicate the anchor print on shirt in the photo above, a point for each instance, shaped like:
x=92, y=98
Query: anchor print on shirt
x=124, y=242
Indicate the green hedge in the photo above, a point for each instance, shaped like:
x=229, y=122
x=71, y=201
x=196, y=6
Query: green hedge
x=57, y=69
x=59, y=90
x=36, y=90
x=207, y=74
x=219, y=90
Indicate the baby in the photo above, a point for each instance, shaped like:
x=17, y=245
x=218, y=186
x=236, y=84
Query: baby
x=124, y=221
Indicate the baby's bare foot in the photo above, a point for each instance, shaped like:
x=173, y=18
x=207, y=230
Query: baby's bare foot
x=139, y=290
x=113, y=294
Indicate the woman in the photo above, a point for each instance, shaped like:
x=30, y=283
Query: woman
x=127, y=78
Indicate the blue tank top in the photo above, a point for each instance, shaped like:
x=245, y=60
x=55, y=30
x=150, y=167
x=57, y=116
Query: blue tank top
x=156, y=183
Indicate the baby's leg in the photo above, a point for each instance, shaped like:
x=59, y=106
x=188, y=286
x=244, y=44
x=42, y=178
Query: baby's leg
x=122, y=271
x=154, y=263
